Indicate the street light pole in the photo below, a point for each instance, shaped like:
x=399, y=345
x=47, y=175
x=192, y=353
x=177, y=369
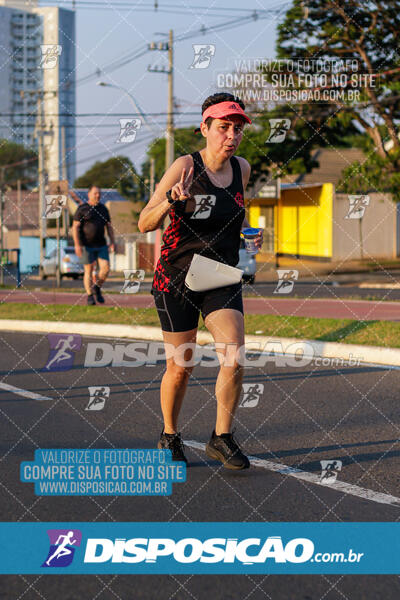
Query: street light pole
x=131, y=98
x=169, y=155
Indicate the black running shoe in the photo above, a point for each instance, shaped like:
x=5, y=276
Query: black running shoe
x=99, y=295
x=173, y=442
x=225, y=448
x=90, y=300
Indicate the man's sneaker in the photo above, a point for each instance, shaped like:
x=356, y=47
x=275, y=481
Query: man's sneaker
x=173, y=442
x=225, y=448
x=90, y=300
x=99, y=295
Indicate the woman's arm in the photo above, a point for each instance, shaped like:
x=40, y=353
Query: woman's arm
x=153, y=214
x=246, y=170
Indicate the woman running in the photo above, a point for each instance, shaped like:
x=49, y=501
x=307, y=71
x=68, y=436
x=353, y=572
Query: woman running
x=203, y=193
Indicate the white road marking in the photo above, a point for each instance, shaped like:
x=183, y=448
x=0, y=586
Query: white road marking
x=339, y=486
x=21, y=392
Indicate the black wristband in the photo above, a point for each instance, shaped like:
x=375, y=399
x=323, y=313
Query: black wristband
x=169, y=197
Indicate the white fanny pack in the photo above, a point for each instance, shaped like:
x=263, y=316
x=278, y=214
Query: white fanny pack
x=208, y=274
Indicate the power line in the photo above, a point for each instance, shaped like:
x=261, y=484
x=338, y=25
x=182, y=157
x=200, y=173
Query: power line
x=109, y=115
x=139, y=52
x=149, y=7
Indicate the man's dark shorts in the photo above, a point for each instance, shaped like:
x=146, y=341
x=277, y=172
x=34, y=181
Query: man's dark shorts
x=90, y=255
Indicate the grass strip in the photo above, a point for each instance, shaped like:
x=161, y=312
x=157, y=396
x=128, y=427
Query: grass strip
x=371, y=333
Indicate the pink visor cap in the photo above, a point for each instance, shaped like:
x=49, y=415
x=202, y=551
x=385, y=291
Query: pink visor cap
x=223, y=109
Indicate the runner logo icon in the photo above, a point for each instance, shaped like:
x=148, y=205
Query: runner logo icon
x=357, y=206
x=287, y=278
x=63, y=543
x=251, y=394
x=62, y=350
x=133, y=279
x=204, y=206
x=54, y=205
x=202, y=55
x=278, y=130
x=98, y=397
x=128, y=130
x=329, y=471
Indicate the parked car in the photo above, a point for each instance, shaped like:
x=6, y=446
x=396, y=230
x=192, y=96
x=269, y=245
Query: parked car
x=247, y=263
x=70, y=265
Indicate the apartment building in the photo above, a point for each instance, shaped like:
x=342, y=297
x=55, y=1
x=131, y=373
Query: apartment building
x=37, y=65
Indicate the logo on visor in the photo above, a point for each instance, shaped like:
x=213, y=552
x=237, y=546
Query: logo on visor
x=233, y=106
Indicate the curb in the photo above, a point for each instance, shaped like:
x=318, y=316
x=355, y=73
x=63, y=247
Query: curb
x=307, y=349
x=379, y=286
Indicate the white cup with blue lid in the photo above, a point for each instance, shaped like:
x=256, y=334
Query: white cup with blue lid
x=249, y=235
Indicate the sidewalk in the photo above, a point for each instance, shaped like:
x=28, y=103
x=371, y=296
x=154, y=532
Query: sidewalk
x=341, y=308
x=310, y=271
x=315, y=270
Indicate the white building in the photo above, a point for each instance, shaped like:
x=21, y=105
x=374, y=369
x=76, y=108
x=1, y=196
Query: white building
x=20, y=39
x=37, y=61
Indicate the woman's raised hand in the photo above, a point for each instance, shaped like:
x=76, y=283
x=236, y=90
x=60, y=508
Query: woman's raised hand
x=181, y=190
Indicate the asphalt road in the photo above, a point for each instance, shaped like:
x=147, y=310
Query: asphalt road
x=304, y=415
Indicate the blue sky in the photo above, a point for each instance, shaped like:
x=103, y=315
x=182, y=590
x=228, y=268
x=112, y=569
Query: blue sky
x=108, y=33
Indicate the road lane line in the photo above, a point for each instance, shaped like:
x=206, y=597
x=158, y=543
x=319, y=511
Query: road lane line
x=339, y=486
x=21, y=392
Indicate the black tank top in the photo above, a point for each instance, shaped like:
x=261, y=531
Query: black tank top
x=207, y=223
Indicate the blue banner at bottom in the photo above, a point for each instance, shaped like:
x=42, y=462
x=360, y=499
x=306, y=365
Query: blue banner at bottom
x=200, y=548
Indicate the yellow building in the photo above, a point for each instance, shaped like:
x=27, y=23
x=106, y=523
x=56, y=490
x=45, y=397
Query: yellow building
x=307, y=217
x=298, y=223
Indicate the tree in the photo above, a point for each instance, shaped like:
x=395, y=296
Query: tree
x=376, y=173
x=17, y=163
x=295, y=155
x=186, y=142
x=117, y=173
x=366, y=32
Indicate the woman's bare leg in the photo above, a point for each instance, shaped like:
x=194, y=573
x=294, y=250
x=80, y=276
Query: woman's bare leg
x=226, y=325
x=175, y=379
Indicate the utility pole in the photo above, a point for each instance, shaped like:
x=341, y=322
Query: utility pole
x=1, y=236
x=42, y=200
x=19, y=202
x=169, y=158
x=63, y=155
x=64, y=177
x=2, y=186
x=150, y=236
x=169, y=134
x=40, y=132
